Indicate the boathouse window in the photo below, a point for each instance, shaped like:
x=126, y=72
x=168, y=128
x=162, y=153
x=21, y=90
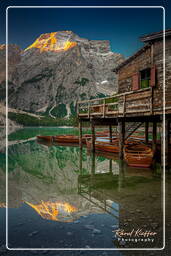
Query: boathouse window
x=145, y=78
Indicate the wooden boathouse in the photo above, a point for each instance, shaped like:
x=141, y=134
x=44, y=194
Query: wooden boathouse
x=143, y=96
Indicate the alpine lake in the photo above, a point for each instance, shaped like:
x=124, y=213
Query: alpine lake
x=62, y=197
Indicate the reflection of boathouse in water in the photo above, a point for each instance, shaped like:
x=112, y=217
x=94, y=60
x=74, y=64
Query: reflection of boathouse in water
x=91, y=186
x=113, y=191
x=144, y=95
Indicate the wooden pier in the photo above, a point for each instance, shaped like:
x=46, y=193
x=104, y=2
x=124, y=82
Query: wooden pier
x=143, y=99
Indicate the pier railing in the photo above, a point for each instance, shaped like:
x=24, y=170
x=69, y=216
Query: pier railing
x=125, y=104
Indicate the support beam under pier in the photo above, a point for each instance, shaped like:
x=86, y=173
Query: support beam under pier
x=110, y=133
x=121, y=127
x=146, y=132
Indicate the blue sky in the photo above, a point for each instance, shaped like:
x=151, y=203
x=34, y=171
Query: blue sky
x=121, y=26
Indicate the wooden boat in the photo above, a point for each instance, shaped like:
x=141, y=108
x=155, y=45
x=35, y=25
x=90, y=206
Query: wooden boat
x=108, y=155
x=66, y=139
x=45, y=143
x=138, y=155
x=103, y=145
x=60, y=138
x=104, y=133
x=47, y=138
x=70, y=138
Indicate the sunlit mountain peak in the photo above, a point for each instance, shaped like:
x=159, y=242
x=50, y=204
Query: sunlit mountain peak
x=55, y=42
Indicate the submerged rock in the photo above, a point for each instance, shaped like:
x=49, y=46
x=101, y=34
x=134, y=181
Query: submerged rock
x=89, y=227
x=97, y=231
x=33, y=233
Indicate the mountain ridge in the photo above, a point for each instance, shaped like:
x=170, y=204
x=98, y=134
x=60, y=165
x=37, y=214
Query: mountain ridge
x=56, y=70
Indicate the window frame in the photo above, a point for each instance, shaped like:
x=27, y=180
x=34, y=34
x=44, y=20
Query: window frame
x=147, y=77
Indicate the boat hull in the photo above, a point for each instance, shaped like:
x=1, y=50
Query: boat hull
x=46, y=138
x=138, y=155
x=66, y=138
x=111, y=147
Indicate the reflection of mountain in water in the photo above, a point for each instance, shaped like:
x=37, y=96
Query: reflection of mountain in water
x=46, y=174
x=55, y=210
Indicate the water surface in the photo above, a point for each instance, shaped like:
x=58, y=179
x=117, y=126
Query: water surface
x=61, y=197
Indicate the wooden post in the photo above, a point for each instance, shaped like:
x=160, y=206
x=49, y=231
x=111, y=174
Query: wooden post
x=146, y=132
x=80, y=134
x=110, y=132
x=93, y=136
x=93, y=164
x=154, y=142
x=121, y=137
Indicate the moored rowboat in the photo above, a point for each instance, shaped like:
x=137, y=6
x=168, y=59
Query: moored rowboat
x=103, y=145
x=60, y=138
x=66, y=139
x=47, y=138
x=138, y=155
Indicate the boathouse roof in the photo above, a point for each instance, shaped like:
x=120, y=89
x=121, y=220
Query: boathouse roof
x=148, y=39
x=155, y=36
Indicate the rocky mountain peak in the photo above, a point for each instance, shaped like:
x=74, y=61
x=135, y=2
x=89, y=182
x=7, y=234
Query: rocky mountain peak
x=56, y=71
x=54, y=41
